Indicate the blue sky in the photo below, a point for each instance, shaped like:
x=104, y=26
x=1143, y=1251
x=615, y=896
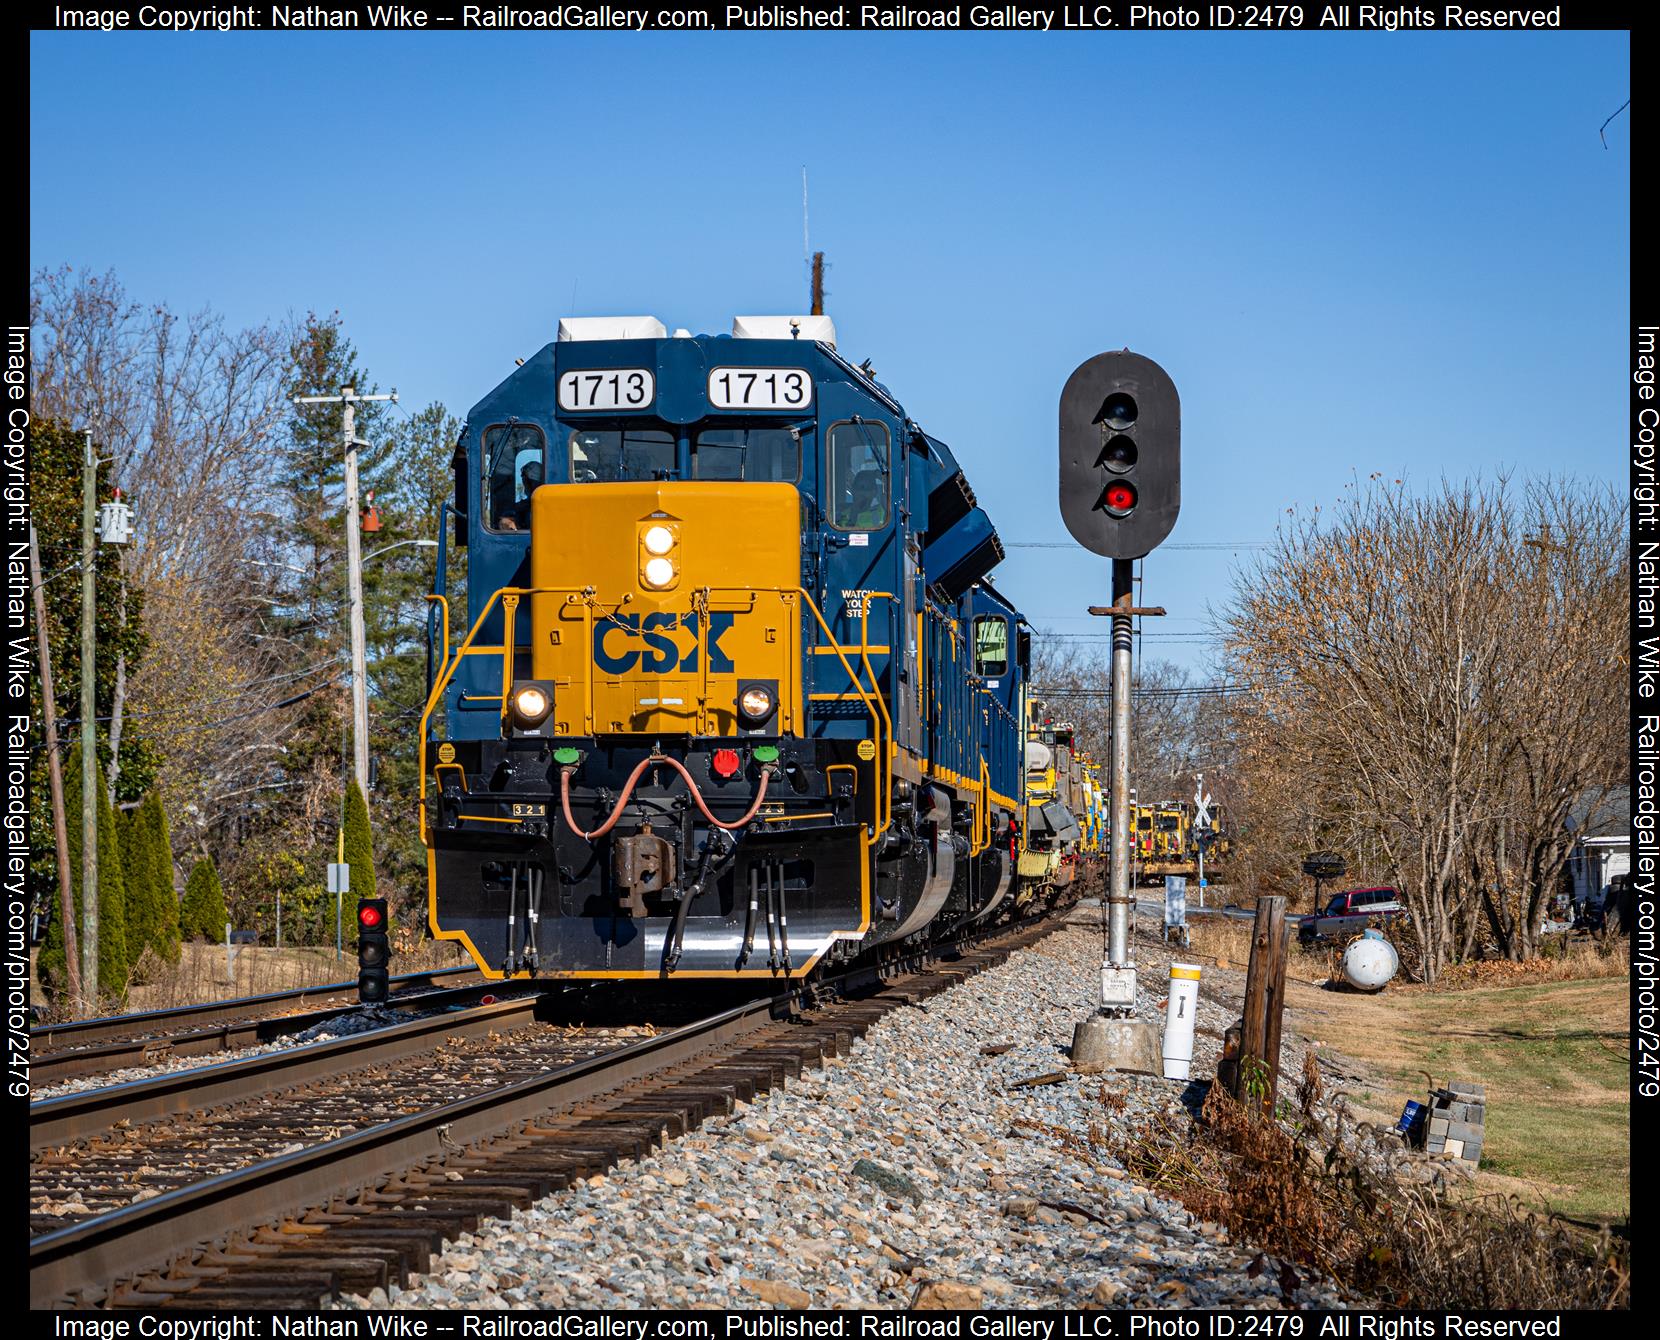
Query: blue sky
x=1405, y=253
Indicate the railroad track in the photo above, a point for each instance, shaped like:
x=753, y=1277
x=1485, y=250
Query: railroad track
x=278, y=1199
x=97, y=1046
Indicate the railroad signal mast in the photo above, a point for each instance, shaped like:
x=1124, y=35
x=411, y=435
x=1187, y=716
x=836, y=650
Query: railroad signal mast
x=1120, y=493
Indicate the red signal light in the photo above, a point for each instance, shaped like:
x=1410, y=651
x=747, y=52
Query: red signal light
x=1119, y=498
x=725, y=762
x=368, y=916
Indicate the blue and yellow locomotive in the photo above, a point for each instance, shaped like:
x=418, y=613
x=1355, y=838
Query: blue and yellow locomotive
x=736, y=698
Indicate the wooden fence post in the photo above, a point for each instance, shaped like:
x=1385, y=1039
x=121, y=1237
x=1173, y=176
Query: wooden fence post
x=1259, y=1045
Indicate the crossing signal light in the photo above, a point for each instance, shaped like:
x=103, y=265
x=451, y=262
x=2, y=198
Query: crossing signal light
x=374, y=951
x=1120, y=454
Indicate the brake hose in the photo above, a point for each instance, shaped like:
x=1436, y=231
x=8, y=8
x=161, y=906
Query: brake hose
x=628, y=790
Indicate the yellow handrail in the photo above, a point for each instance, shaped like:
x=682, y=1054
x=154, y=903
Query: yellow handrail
x=876, y=691
x=510, y=597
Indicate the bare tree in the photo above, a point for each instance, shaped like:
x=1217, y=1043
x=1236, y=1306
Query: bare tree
x=1393, y=656
x=186, y=406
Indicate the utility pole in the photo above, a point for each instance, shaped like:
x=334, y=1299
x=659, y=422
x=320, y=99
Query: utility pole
x=818, y=284
x=349, y=399
x=89, y=727
x=54, y=769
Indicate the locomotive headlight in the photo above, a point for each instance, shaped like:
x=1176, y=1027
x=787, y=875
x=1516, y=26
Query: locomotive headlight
x=531, y=705
x=659, y=572
x=658, y=540
x=755, y=702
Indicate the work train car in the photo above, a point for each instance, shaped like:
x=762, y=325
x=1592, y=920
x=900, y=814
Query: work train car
x=1067, y=830
x=735, y=697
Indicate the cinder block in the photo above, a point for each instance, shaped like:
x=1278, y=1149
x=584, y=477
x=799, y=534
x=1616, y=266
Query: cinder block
x=1435, y=1144
x=1455, y=1148
x=1477, y=1091
x=1459, y=1130
x=1472, y=1151
x=1438, y=1125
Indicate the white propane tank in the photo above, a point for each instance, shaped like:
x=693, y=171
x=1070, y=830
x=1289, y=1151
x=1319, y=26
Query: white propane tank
x=1370, y=962
x=1178, y=1020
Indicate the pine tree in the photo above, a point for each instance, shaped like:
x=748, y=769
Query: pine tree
x=113, y=961
x=416, y=478
x=202, y=914
x=360, y=849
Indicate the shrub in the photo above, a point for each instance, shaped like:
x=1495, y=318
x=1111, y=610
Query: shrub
x=113, y=960
x=202, y=913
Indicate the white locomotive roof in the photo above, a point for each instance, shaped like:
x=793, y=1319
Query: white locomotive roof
x=611, y=328
x=819, y=328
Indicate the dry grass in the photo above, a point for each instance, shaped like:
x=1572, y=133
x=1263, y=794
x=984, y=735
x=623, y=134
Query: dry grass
x=1227, y=942
x=200, y=974
x=1553, y=1055
x=1579, y=958
x=1295, y=1189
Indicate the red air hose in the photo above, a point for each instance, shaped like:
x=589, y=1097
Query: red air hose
x=628, y=790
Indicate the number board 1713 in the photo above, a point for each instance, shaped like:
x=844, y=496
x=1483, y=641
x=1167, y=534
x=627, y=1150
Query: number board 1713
x=760, y=388
x=607, y=388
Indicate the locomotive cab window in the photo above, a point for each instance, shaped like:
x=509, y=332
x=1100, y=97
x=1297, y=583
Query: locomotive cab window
x=611, y=456
x=767, y=455
x=856, y=494
x=991, y=646
x=513, y=470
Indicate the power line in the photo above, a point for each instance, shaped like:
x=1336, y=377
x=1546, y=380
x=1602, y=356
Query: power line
x=1195, y=544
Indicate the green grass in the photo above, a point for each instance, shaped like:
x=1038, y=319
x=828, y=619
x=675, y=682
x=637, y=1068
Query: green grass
x=1554, y=1058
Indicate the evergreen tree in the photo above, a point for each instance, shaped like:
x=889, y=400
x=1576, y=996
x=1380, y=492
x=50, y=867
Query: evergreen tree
x=55, y=452
x=202, y=913
x=416, y=480
x=113, y=960
x=153, y=904
x=360, y=850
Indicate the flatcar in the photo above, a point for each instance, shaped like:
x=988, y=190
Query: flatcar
x=734, y=697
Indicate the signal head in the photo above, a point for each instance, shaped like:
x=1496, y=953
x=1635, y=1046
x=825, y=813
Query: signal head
x=1120, y=454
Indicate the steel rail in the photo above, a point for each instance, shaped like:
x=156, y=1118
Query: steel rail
x=153, y=1232
x=80, y=1032
x=76, y=1116
x=76, y=1062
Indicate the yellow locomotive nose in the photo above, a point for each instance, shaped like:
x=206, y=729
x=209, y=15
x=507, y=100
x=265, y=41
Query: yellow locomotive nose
x=668, y=608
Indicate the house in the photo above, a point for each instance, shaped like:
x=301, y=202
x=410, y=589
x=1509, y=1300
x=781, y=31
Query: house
x=1603, y=847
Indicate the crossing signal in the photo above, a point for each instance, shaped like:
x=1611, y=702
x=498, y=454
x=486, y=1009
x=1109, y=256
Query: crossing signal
x=1120, y=450
x=374, y=951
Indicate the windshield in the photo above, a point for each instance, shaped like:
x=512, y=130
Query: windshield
x=991, y=645
x=857, y=495
x=512, y=472
x=609, y=456
x=770, y=455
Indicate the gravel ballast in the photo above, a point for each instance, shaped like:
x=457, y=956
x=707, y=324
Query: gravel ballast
x=913, y=1170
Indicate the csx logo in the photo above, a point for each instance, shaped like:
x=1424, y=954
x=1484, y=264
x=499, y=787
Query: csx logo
x=618, y=639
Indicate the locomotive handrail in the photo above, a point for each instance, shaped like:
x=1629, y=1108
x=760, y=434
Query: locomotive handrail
x=444, y=607
x=885, y=786
x=510, y=597
x=981, y=837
